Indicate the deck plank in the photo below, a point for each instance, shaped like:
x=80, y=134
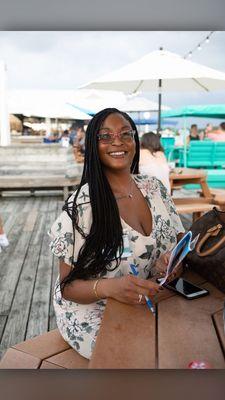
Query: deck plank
x=26, y=221
x=15, y=330
x=39, y=313
x=12, y=262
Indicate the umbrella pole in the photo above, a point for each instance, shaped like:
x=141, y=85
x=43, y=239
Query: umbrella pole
x=159, y=110
x=185, y=142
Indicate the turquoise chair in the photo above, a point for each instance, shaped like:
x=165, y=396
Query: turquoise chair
x=219, y=155
x=216, y=178
x=200, y=154
x=168, y=145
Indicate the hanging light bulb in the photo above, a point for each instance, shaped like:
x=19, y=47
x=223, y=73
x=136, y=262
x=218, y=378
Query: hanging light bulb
x=190, y=54
x=199, y=47
x=207, y=40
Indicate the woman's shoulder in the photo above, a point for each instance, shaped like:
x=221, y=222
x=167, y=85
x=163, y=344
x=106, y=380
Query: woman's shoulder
x=160, y=156
x=82, y=196
x=147, y=182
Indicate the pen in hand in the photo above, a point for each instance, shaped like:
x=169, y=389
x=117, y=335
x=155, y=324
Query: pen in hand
x=148, y=301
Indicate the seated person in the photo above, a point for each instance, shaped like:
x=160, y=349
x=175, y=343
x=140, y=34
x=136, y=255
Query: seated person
x=219, y=134
x=152, y=159
x=116, y=217
x=194, y=135
x=79, y=145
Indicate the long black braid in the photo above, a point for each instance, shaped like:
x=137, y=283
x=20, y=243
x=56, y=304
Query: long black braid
x=104, y=243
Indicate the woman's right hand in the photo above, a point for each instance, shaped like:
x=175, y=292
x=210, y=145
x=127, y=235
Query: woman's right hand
x=128, y=289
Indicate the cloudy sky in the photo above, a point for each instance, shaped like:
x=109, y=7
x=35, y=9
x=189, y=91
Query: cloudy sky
x=67, y=60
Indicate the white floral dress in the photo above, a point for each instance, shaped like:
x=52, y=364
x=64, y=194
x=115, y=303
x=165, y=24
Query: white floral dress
x=79, y=323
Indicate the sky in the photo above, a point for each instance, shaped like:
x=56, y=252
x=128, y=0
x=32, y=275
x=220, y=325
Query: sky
x=67, y=60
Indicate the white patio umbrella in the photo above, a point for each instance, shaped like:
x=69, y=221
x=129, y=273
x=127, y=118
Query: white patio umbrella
x=139, y=104
x=93, y=100
x=46, y=104
x=4, y=114
x=161, y=71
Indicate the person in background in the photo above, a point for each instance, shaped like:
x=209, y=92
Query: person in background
x=219, y=134
x=208, y=129
x=3, y=238
x=116, y=218
x=79, y=145
x=72, y=134
x=153, y=161
x=194, y=133
x=65, y=138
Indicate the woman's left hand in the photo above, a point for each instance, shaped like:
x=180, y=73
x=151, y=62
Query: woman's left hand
x=161, y=267
x=161, y=264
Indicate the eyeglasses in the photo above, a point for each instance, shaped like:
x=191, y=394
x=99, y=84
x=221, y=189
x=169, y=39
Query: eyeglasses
x=109, y=137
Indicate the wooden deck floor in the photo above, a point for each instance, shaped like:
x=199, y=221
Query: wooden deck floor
x=28, y=269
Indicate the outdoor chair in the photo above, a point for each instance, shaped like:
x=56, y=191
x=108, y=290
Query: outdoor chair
x=219, y=155
x=200, y=154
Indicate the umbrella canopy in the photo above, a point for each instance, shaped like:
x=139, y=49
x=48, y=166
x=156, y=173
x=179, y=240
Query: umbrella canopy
x=45, y=104
x=139, y=104
x=205, y=111
x=176, y=73
x=161, y=71
x=91, y=101
x=153, y=121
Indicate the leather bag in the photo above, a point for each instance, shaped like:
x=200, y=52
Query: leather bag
x=208, y=257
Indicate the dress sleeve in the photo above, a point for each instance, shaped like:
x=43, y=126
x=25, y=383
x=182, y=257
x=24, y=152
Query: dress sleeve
x=65, y=244
x=171, y=208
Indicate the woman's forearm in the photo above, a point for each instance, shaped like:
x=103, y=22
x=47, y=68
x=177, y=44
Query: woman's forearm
x=83, y=291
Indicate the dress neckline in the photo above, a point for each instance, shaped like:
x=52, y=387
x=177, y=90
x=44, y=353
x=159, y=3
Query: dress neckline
x=144, y=193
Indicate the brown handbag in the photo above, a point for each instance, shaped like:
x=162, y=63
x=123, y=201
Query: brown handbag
x=208, y=257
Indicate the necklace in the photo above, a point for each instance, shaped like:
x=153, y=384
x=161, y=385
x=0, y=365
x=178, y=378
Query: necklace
x=128, y=195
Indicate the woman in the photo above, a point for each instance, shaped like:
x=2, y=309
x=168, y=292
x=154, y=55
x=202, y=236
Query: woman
x=152, y=159
x=112, y=220
x=79, y=145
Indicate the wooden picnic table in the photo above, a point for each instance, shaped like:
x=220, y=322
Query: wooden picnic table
x=130, y=337
x=182, y=331
x=183, y=176
x=194, y=205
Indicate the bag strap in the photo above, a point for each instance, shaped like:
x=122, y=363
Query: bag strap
x=210, y=232
x=220, y=215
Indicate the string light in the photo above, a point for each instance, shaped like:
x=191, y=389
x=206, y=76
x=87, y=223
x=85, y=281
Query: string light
x=199, y=45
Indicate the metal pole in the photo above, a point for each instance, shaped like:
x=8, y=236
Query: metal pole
x=160, y=102
x=5, y=138
x=185, y=142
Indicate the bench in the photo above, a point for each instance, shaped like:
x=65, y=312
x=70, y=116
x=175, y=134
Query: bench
x=196, y=206
x=34, y=183
x=47, y=351
x=218, y=197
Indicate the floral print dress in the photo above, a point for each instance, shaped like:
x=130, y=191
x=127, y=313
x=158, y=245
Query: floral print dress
x=79, y=323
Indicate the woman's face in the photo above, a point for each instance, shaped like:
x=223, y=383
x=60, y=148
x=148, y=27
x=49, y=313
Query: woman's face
x=118, y=154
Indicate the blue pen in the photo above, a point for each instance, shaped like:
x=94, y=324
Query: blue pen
x=148, y=301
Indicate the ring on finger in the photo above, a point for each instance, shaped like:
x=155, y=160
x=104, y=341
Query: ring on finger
x=140, y=298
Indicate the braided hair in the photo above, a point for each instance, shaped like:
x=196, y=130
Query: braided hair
x=104, y=243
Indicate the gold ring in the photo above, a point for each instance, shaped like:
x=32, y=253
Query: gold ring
x=140, y=298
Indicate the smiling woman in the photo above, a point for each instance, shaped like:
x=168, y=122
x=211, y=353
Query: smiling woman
x=115, y=218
